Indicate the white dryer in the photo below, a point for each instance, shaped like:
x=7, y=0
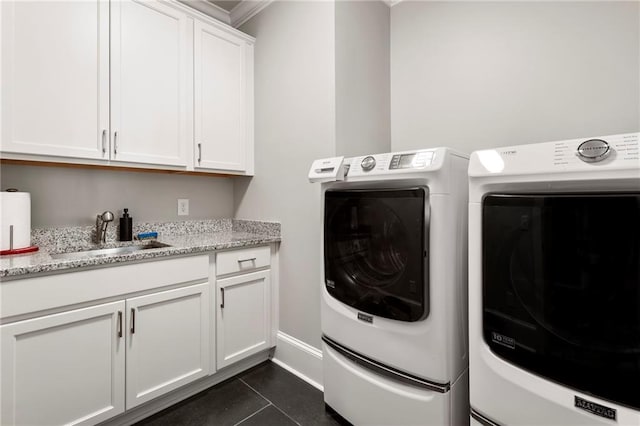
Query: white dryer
x=394, y=302
x=554, y=283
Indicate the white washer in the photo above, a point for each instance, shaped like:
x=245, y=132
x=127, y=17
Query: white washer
x=394, y=302
x=554, y=283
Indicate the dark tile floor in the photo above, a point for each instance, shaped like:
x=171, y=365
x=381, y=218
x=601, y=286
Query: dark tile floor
x=265, y=395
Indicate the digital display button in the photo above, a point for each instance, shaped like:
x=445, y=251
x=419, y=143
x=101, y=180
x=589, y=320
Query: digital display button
x=410, y=161
x=406, y=161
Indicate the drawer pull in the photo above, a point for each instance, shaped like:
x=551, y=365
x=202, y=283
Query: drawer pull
x=119, y=323
x=251, y=259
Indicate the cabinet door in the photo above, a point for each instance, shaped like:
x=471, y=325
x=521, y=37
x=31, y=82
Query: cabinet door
x=243, y=317
x=221, y=74
x=167, y=341
x=64, y=368
x=149, y=82
x=55, y=78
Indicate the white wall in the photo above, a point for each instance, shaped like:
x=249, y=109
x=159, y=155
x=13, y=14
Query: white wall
x=294, y=124
x=472, y=75
x=321, y=89
x=363, y=117
x=73, y=197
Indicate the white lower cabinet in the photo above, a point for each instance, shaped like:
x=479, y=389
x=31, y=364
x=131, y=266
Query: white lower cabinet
x=85, y=365
x=66, y=368
x=243, y=316
x=70, y=367
x=85, y=346
x=167, y=341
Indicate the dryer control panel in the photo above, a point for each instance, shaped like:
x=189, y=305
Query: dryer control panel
x=615, y=152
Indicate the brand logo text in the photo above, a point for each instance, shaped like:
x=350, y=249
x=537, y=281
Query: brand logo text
x=365, y=317
x=593, y=408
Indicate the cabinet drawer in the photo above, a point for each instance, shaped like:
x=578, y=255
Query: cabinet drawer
x=54, y=291
x=229, y=262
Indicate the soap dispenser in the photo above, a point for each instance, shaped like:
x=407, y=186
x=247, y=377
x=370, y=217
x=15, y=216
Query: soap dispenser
x=126, y=226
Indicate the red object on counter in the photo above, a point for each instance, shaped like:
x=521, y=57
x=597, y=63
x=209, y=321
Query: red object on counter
x=23, y=250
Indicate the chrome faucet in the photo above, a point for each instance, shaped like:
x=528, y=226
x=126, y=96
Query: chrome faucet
x=102, y=221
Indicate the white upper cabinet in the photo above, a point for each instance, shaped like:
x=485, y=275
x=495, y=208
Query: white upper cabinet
x=139, y=83
x=223, y=73
x=55, y=78
x=150, y=44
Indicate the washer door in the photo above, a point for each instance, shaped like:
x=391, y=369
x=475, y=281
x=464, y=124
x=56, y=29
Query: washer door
x=375, y=258
x=561, y=288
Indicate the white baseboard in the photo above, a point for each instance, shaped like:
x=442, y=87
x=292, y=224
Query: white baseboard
x=299, y=358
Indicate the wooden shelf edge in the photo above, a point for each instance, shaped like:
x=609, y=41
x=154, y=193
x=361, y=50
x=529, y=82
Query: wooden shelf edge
x=111, y=168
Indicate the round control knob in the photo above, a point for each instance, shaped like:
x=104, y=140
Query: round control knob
x=368, y=163
x=593, y=150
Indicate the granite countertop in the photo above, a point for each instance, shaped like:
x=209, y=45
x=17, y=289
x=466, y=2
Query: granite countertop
x=204, y=236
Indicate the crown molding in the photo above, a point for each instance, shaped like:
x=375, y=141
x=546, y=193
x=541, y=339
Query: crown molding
x=209, y=9
x=246, y=10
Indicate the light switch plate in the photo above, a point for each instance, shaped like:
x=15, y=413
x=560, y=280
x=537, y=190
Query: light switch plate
x=183, y=207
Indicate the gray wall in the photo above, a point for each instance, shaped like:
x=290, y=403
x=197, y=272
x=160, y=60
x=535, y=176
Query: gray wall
x=363, y=117
x=294, y=124
x=472, y=75
x=73, y=197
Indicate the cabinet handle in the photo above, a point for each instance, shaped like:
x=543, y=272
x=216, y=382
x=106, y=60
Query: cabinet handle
x=115, y=143
x=222, y=293
x=104, y=141
x=251, y=259
x=133, y=321
x=119, y=323
x=199, y=153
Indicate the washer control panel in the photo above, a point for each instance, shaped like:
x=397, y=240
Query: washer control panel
x=391, y=163
x=413, y=160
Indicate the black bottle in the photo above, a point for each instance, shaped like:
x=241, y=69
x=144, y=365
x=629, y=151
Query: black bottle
x=126, y=227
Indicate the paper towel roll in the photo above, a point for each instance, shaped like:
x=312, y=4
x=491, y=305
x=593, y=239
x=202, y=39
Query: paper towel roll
x=15, y=209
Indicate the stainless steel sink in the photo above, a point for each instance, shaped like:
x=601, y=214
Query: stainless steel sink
x=110, y=251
